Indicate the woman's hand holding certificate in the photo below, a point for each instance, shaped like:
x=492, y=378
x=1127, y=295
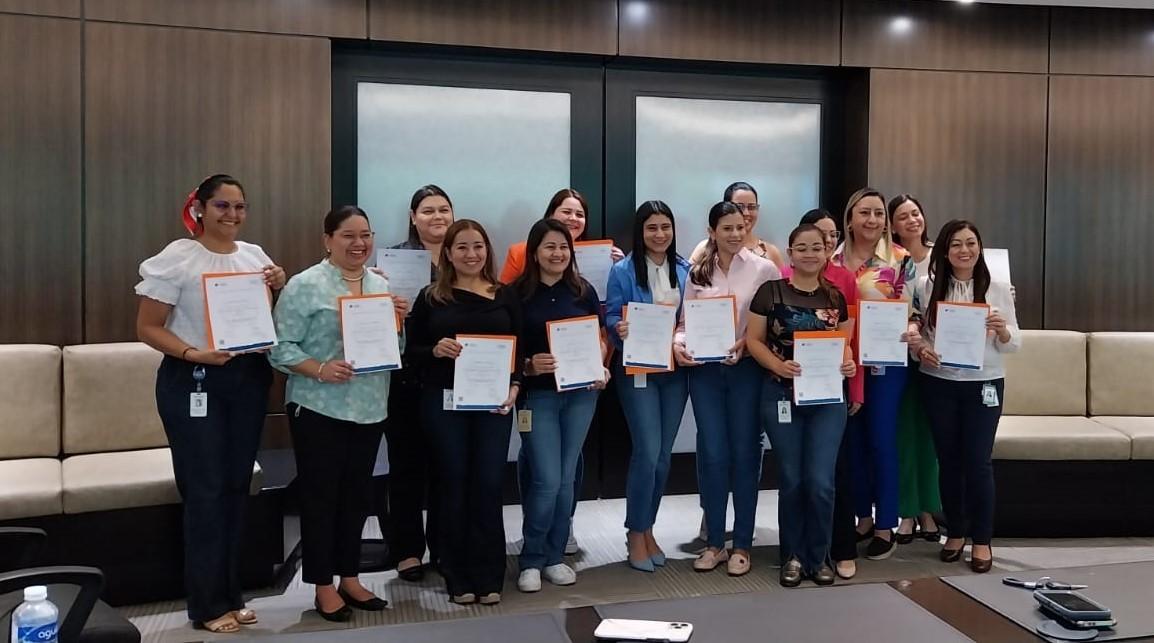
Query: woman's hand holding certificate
x=960, y=334
x=239, y=312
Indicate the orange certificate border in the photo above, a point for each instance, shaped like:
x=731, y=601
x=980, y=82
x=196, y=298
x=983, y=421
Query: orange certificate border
x=733, y=303
x=512, y=356
x=640, y=370
x=204, y=277
x=570, y=320
x=847, y=352
x=856, y=317
x=965, y=304
x=343, y=298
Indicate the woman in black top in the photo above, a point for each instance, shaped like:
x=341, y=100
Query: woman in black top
x=551, y=290
x=470, y=448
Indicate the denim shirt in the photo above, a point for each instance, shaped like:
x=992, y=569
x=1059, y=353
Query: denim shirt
x=307, y=325
x=623, y=288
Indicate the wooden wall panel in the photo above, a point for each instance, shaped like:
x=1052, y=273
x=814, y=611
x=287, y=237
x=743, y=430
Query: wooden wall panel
x=40, y=244
x=969, y=146
x=574, y=26
x=753, y=31
x=167, y=107
x=1107, y=41
x=335, y=18
x=919, y=34
x=63, y=8
x=1100, y=204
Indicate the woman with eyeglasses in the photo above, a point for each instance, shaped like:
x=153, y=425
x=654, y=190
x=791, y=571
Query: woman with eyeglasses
x=744, y=197
x=883, y=271
x=725, y=393
x=805, y=440
x=918, y=495
x=965, y=405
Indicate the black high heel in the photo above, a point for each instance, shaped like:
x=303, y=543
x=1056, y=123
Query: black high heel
x=951, y=555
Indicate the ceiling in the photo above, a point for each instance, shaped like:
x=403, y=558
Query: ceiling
x=1122, y=4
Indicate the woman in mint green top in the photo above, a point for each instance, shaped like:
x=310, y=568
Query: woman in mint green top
x=336, y=417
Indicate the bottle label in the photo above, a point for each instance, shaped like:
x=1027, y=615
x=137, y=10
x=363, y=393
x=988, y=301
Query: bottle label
x=37, y=634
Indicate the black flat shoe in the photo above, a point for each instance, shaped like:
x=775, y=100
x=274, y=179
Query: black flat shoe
x=373, y=604
x=413, y=574
x=950, y=555
x=341, y=615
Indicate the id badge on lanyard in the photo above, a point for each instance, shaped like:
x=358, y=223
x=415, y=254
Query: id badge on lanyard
x=198, y=401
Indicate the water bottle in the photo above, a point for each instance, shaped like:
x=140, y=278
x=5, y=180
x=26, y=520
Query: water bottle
x=35, y=620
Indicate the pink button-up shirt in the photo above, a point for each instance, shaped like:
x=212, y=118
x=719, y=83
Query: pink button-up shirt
x=746, y=273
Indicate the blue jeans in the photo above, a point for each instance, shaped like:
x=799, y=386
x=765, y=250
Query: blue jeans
x=725, y=406
x=560, y=422
x=653, y=415
x=874, y=444
x=806, y=450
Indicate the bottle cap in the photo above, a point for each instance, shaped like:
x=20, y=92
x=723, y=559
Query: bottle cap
x=36, y=593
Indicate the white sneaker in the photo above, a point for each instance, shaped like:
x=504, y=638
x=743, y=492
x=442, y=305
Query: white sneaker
x=559, y=574
x=529, y=581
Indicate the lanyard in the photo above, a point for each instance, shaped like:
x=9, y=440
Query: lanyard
x=198, y=374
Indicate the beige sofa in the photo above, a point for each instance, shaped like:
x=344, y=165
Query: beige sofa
x=83, y=451
x=1076, y=440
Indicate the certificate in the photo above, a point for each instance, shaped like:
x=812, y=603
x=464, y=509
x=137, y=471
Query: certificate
x=369, y=333
x=821, y=355
x=594, y=259
x=649, y=345
x=710, y=328
x=575, y=344
x=238, y=311
x=880, y=326
x=998, y=261
x=407, y=270
x=481, y=372
x=960, y=335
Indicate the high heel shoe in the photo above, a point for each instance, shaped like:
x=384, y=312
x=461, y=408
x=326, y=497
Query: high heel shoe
x=340, y=615
x=981, y=565
x=658, y=559
x=643, y=565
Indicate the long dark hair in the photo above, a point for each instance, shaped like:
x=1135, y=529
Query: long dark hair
x=702, y=272
x=422, y=193
x=896, y=203
x=835, y=295
x=559, y=198
x=941, y=271
x=640, y=270
x=530, y=277
x=442, y=289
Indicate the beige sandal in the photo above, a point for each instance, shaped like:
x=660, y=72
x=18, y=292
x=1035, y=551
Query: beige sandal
x=226, y=624
x=738, y=564
x=245, y=616
x=710, y=559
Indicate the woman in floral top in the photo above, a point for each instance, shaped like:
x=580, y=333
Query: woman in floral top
x=883, y=271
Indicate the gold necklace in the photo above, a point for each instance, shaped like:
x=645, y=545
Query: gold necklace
x=353, y=279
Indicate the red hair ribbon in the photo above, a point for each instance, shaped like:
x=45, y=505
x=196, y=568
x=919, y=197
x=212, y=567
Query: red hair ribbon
x=188, y=215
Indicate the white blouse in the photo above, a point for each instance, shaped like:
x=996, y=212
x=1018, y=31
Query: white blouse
x=173, y=277
x=999, y=298
x=659, y=286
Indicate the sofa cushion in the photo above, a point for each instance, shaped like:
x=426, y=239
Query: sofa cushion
x=1140, y=430
x=1048, y=375
x=29, y=488
x=1038, y=437
x=124, y=479
x=29, y=401
x=1120, y=381
x=110, y=398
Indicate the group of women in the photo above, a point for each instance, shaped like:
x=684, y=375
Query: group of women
x=877, y=455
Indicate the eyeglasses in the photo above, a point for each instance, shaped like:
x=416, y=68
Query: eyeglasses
x=748, y=207
x=805, y=249
x=239, y=206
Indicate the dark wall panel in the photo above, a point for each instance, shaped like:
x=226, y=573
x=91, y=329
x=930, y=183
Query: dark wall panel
x=752, y=31
x=919, y=34
x=971, y=146
x=336, y=18
x=577, y=26
x=1102, y=41
x=156, y=124
x=1099, y=218
x=40, y=269
x=64, y=8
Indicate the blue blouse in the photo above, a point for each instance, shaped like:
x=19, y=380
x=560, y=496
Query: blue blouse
x=623, y=288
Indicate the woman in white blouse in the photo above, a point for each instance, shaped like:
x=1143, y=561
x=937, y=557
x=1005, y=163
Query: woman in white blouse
x=964, y=404
x=213, y=445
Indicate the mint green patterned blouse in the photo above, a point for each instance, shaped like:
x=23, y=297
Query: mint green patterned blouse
x=307, y=326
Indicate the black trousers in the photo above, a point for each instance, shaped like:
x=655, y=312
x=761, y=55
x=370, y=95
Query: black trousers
x=335, y=461
x=471, y=449
x=412, y=476
x=963, y=428
x=212, y=459
x=843, y=545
